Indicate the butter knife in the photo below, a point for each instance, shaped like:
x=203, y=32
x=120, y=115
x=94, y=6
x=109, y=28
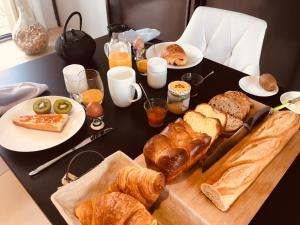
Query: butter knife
x=80, y=145
x=292, y=101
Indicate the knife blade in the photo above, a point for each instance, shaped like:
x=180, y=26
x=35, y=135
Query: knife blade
x=224, y=147
x=292, y=101
x=78, y=146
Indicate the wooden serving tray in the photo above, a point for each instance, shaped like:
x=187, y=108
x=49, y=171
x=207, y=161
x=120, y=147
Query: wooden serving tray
x=188, y=205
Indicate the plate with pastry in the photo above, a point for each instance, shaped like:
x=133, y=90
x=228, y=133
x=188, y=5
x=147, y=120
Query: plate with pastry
x=40, y=123
x=178, y=55
x=263, y=86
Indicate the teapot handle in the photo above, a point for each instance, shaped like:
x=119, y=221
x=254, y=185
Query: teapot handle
x=66, y=24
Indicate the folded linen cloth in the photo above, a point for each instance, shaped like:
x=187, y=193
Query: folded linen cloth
x=11, y=95
x=145, y=34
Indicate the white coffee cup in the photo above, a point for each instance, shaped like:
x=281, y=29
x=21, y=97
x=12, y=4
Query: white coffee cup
x=122, y=86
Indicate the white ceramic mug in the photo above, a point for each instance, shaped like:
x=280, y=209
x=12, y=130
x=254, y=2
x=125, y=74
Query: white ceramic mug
x=122, y=86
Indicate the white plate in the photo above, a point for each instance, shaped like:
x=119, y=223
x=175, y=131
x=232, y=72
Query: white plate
x=193, y=54
x=251, y=85
x=289, y=96
x=22, y=139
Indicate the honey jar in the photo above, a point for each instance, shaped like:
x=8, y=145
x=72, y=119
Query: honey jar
x=178, y=96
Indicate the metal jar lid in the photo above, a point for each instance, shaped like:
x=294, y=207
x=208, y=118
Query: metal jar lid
x=179, y=87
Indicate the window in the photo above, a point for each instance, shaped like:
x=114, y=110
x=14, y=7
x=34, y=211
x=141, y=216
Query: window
x=7, y=18
x=4, y=25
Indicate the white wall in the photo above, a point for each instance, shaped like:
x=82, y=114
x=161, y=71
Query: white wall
x=93, y=15
x=43, y=12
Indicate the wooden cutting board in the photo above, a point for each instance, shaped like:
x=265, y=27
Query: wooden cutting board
x=190, y=206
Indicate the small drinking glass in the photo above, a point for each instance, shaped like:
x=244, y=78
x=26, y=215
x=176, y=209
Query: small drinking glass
x=156, y=111
x=94, y=90
x=195, y=80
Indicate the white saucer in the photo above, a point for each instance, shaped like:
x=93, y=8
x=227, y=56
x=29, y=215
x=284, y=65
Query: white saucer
x=289, y=96
x=251, y=85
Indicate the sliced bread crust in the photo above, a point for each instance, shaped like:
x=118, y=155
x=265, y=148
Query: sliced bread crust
x=208, y=111
x=200, y=123
x=233, y=124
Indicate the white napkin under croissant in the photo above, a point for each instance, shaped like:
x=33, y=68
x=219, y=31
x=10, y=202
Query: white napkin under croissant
x=11, y=95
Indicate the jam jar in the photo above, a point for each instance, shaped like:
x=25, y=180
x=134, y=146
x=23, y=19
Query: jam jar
x=178, y=96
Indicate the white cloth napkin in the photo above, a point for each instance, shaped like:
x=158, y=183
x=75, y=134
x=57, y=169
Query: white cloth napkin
x=145, y=34
x=11, y=95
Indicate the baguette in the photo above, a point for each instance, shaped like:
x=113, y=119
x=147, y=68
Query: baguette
x=46, y=122
x=250, y=157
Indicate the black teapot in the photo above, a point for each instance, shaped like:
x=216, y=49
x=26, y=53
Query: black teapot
x=75, y=46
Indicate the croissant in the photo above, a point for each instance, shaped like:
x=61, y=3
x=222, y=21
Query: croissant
x=113, y=208
x=143, y=184
x=174, y=54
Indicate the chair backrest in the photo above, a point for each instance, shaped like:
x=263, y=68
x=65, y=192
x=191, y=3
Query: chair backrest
x=230, y=38
x=168, y=16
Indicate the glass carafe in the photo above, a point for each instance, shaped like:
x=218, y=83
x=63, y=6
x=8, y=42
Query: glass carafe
x=29, y=35
x=118, y=51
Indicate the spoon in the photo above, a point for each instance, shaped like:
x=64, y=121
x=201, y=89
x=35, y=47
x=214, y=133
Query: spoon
x=208, y=75
x=145, y=94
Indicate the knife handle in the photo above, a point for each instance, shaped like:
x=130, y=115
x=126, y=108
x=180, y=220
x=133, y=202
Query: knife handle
x=259, y=115
x=277, y=108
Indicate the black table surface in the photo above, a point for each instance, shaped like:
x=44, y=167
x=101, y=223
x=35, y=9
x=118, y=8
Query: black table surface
x=130, y=133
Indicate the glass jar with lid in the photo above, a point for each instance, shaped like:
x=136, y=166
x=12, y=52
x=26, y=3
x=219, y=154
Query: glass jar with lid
x=178, y=96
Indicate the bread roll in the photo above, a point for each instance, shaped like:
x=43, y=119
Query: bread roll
x=250, y=157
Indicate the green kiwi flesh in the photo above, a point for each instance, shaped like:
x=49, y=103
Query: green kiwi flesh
x=62, y=106
x=42, y=106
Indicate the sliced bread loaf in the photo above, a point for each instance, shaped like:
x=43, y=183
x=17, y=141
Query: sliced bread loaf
x=208, y=111
x=200, y=123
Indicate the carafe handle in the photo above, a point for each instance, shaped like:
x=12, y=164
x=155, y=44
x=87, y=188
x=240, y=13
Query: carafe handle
x=106, y=49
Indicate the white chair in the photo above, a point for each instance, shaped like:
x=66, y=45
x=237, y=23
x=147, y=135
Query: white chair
x=230, y=38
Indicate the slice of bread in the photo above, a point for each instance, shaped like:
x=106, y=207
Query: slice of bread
x=47, y=122
x=208, y=111
x=233, y=124
x=200, y=123
x=229, y=105
x=241, y=95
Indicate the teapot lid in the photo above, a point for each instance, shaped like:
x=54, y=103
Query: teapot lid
x=74, y=35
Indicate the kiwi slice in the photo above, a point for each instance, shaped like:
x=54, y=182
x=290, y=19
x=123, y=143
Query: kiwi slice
x=62, y=106
x=42, y=106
